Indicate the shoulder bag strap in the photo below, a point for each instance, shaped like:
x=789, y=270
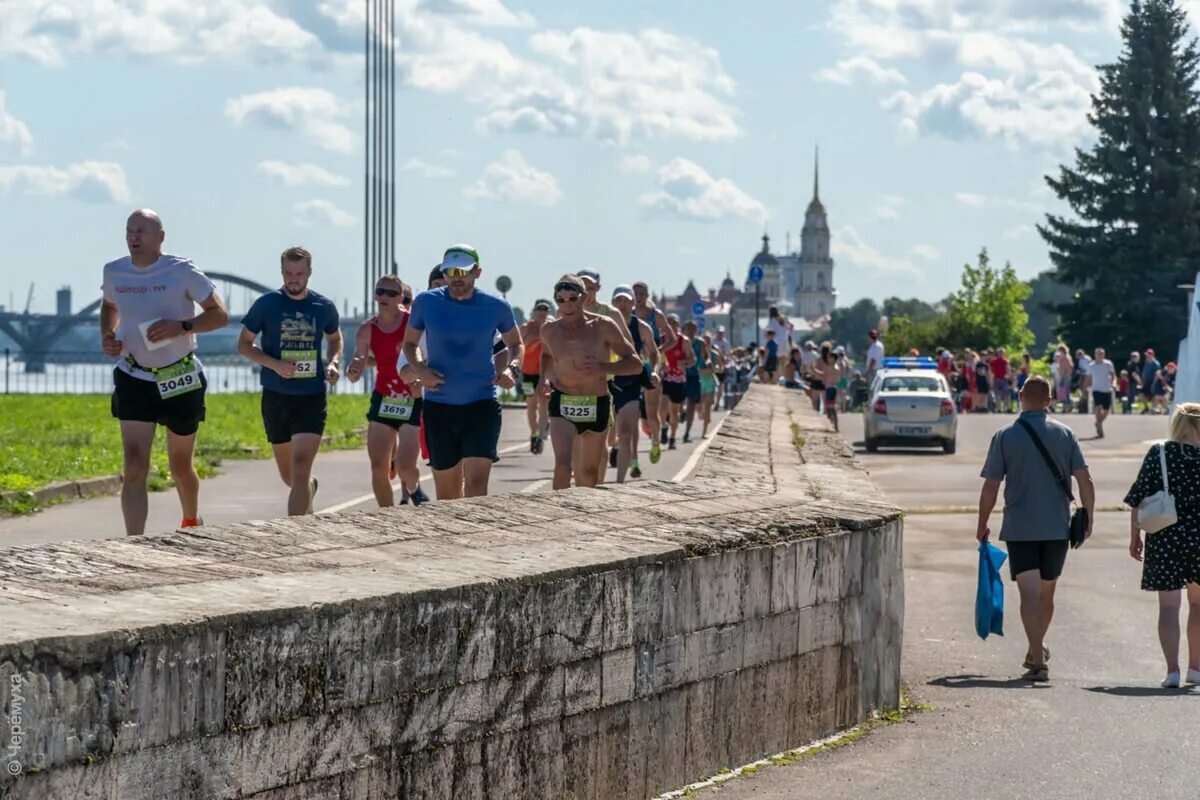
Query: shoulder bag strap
x=1063, y=483
x=1162, y=461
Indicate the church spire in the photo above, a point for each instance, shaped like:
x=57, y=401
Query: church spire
x=817, y=176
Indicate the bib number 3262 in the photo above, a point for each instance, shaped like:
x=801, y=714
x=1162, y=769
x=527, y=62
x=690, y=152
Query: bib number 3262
x=305, y=361
x=579, y=408
x=179, y=378
x=396, y=408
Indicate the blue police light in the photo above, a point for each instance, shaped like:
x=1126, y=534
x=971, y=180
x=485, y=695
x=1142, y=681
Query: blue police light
x=909, y=362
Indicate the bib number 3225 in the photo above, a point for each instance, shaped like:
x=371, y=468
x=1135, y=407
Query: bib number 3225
x=305, y=361
x=179, y=378
x=579, y=408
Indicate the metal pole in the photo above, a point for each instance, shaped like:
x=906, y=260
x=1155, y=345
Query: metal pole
x=367, y=285
x=7, y=357
x=391, y=140
x=757, y=332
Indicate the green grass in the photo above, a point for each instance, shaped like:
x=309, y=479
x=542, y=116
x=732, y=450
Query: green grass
x=45, y=439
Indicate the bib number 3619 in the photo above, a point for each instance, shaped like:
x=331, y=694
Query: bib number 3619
x=579, y=408
x=305, y=361
x=396, y=408
x=177, y=379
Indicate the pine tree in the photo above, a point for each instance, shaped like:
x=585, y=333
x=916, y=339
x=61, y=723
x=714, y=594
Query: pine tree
x=1137, y=236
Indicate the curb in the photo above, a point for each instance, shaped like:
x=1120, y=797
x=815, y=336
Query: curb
x=68, y=490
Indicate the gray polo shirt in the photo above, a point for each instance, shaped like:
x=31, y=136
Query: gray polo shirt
x=1035, y=508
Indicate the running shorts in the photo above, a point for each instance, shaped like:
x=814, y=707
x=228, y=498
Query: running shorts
x=585, y=416
x=708, y=384
x=623, y=393
x=137, y=400
x=674, y=391
x=692, y=388
x=830, y=394
x=1102, y=400
x=285, y=415
x=772, y=364
x=396, y=412
x=1047, y=557
x=530, y=383
x=457, y=432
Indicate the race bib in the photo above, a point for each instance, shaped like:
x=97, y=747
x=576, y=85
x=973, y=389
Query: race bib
x=579, y=407
x=305, y=361
x=178, y=378
x=397, y=408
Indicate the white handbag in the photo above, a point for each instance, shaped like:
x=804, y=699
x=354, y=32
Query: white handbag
x=1158, y=510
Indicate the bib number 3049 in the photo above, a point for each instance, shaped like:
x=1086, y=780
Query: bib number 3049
x=579, y=408
x=305, y=361
x=177, y=379
x=396, y=408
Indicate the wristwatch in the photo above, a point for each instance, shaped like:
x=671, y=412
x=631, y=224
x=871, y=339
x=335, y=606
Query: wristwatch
x=187, y=325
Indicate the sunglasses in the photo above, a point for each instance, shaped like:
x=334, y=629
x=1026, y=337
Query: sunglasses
x=388, y=292
x=457, y=272
x=562, y=300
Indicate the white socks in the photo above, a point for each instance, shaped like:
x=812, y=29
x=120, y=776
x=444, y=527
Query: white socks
x=1193, y=675
x=1171, y=681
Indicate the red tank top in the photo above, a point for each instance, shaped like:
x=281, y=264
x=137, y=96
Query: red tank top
x=386, y=349
x=675, y=357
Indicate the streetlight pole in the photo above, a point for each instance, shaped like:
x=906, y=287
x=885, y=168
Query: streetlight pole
x=756, y=328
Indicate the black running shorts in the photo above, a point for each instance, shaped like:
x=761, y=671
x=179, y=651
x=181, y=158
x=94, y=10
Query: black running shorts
x=674, y=391
x=457, y=432
x=1047, y=557
x=137, y=400
x=395, y=414
x=594, y=424
x=285, y=415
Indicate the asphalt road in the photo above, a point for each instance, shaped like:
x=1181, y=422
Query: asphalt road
x=252, y=490
x=1101, y=729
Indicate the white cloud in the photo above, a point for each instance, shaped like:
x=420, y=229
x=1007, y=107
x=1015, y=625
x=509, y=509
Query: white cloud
x=293, y=175
x=888, y=207
x=850, y=70
x=312, y=212
x=426, y=169
x=312, y=112
x=1018, y=232
x=970, y=199
x=13, y=131
x=925, y=251
x=480, y=12
x=686, y=190
x=853, y=251
x=89, y=181
x=634, y=164
x=512, y=179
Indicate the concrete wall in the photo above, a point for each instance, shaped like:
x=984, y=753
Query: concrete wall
x=592, y=644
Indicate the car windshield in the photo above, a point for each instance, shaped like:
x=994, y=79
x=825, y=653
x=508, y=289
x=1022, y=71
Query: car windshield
x=911, y=383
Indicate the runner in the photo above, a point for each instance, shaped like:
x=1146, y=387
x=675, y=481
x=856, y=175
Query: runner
x=1103, y=377
x=394, y=417
x=829, y=368
x=708, y=382
x=628, y=391
x=591, y=304
x=578, y=349
x=694, y=384
x=722, y=345
x=147, y=317
x=461, y=413
x=679, y=357
x=291, y=321
x=663, y=337
x=536, y=403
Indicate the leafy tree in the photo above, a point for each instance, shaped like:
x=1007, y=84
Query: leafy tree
x=849, y=326
x=1136, y=235
x=912, y=309
x=988, y=310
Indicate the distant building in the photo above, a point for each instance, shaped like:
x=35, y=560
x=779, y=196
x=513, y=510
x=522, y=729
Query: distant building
x=799, y=284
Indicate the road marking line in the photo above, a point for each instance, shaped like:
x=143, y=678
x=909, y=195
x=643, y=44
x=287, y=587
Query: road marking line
x=536, y=486
x=398, y=485
x=695, y=458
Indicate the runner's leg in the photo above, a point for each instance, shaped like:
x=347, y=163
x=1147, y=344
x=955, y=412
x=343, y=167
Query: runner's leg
x=304, y=453
x=180, y=452
x=137, y=439
x=381, y=441
x=407, y=449
x=562, y=440
x=449, y=482
x=283, y=461
x=476, y=473
x=592, y=446
x=627, y=436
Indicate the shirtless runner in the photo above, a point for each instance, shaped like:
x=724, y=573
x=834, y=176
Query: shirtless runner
x=578, y=350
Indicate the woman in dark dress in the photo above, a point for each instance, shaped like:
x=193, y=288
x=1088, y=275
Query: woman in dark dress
x=1171, y=557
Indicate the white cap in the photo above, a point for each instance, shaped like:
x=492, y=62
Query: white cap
x=624, y=290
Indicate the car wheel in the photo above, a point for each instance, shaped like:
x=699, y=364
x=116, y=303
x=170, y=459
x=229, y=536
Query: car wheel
x=872, y=446
x=949, y=446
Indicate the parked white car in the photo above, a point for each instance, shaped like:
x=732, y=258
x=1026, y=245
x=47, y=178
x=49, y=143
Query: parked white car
x=910, y=405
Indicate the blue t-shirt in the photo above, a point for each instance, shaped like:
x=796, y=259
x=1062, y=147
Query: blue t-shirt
x=772, y=348
x=459, y=336
x=293, y=331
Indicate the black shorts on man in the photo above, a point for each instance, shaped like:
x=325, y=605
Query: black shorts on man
x=138, y=400
x=830, y=394
x=589, y=413
x=455, y=432
x=772, y=364
x=394, y=412
x=1047, y=556
x=1102, y=400
x=529, y=382
x=674, y=391
x=285, y=415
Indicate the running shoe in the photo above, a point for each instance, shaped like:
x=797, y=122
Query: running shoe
x=634, y=470
x=671, y=443
x=419, y=497
x=312, y=494
x=663, y=437
x=192, y=523
x=687, y=439
x=612, y=457
x=533, y=444
x=655, y=452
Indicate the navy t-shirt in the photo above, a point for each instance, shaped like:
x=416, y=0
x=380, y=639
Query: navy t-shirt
x=293, y=330
x=459, y=336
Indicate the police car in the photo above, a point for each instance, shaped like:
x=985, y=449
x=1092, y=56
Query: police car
x=910, y=405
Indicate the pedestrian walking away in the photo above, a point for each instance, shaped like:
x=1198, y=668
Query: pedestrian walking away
x=1102, y=376
x=1037, y=510
x=1171, y=556
x=148, y=322
x=291, y=322
x=463, y=370
x=394, y=414
x=578, y=350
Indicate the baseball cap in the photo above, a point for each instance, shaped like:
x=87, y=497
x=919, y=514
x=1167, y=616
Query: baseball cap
x=541, y=305
x=720, y=329
x=840, y=350
x=590, y=275
x=460, y=256
x=874, y=334
x=623, y=290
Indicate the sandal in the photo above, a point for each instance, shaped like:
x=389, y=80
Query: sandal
x=1038, y=673
x=1045, y=659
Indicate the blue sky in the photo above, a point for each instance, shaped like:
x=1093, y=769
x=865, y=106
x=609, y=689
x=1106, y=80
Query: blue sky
x=650, y=140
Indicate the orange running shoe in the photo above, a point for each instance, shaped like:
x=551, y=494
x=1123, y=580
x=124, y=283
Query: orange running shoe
x=192, y=523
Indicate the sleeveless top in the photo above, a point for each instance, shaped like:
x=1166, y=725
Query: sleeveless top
x=628, y=381
x=653, y=323
x=675, y=358
x=531, y=364
x=386, y=348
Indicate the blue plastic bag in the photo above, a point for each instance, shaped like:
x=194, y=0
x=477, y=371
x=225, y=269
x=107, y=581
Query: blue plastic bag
x=989, y=596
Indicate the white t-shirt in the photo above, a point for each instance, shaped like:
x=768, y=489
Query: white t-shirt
x=1103, y=374
x=782, y=332
x=724, y=346
x=170, y=288
x=874, y=355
